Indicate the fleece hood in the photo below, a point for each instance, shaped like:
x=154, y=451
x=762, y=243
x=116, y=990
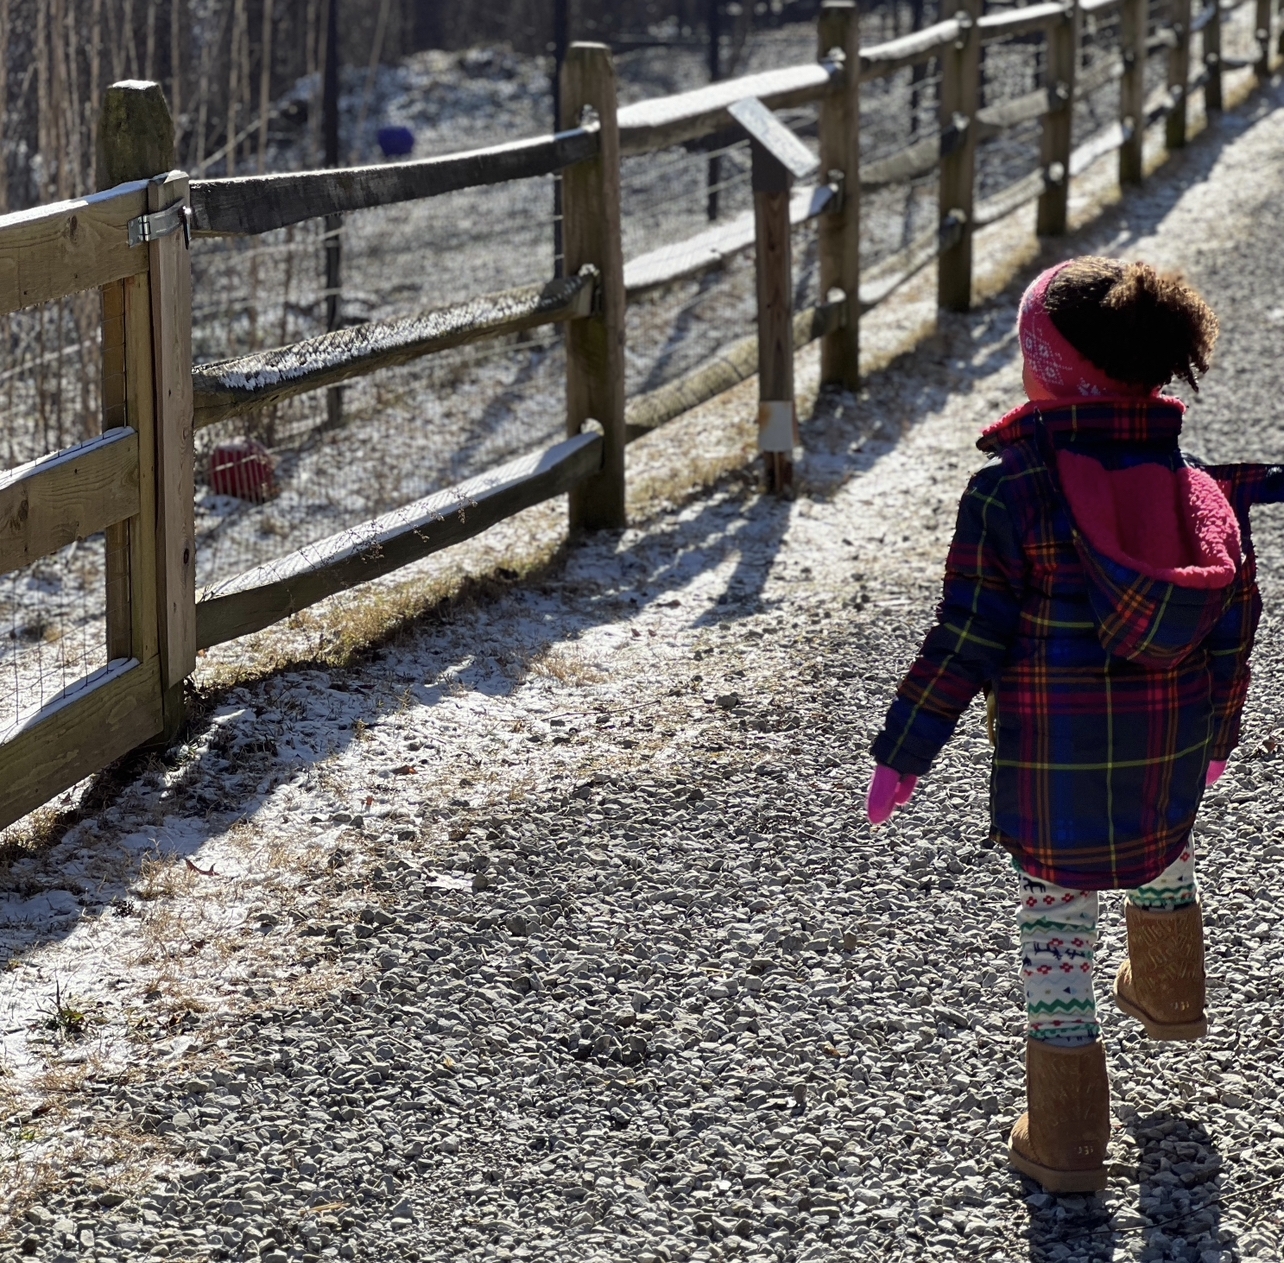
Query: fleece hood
x=1159, y=543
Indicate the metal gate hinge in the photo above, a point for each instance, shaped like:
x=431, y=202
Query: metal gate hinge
x=162, y=223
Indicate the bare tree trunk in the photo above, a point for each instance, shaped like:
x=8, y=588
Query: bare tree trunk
x=44, y=141
x=77, y=177
x=739, y=38
x=58, y=152
x=128, y=37
x=310, y=39
x=95, y=74
x=203, y=92
x=233, y=83
x=376, y=51
x=247, y=80
x=4, y=104
x=265, y=84
x=116, y=43
x=149, y=63
x=176, y=73
x=318, y=101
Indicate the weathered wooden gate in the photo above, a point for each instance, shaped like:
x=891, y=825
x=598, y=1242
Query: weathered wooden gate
x=133, y=482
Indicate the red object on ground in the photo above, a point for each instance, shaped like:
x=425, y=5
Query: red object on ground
x=242, y=468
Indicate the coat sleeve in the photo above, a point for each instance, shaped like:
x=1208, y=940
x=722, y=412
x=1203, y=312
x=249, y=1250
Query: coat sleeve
x=976, y=625
x=1231, y=643
x=1245, y=485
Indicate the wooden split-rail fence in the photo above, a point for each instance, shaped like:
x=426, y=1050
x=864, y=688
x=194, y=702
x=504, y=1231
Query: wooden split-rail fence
x=135, y=482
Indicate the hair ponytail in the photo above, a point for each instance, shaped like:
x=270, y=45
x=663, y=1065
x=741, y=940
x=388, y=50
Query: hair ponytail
x=1135, y=324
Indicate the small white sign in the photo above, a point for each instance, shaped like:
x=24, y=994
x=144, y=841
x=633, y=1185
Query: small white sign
x=776, y=425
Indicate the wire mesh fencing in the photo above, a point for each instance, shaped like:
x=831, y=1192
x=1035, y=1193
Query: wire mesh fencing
x=53, y=611
x=408, y=431
x=1097, y=75
x=404, y=431
x=1012, y=68
x=1239, y=34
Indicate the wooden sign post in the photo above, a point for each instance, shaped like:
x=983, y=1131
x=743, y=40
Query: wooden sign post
x=779, y=158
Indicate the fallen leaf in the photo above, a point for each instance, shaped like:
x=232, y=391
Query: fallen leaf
x=404, y=770
x=204, y=872
x=369, y=801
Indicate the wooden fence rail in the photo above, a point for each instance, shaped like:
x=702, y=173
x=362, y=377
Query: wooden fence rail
x=135, y=482
x=247, y=205
x=230, y=388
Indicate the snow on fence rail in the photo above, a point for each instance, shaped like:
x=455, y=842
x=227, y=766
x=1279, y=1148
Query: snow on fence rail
x=136, y=480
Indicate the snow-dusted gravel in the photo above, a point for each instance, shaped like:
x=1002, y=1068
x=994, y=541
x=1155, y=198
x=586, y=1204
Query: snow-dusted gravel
x=553, y=930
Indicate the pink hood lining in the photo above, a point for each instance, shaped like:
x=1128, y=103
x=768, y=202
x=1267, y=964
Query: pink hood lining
x=1172, y=525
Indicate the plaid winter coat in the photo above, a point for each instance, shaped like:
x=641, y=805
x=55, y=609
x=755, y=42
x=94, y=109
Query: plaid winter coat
x=1100, y=761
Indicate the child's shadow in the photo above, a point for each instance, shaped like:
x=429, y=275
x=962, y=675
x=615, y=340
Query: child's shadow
x=1079, y=1227
x=1179, y=1174
x=1172, y=1212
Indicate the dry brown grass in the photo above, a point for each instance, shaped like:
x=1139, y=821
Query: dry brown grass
x=163, y=877
x=568, y=665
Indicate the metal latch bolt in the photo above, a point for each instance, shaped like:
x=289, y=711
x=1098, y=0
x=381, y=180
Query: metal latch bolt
x=162, y=223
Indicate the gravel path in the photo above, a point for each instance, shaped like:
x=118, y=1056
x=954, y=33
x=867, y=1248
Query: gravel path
x=554, y=931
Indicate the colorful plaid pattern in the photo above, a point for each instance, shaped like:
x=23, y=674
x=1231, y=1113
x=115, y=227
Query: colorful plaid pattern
x=1147, y=621
x=1099, y=764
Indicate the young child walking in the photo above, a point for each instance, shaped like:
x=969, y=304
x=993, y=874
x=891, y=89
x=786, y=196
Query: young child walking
x=1100, y=589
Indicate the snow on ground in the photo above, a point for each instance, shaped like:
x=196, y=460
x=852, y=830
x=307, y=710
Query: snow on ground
x=551, y=927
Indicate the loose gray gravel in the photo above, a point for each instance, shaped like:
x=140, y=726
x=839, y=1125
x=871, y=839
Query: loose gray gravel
x=554, y=931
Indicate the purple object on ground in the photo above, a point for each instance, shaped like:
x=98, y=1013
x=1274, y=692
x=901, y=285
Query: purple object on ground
x=396, y=141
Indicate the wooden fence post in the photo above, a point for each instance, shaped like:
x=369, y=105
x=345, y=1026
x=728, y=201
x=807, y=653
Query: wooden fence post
x=839, y=231
x=1262, y=22
x=147, y=376
x=591, y=234
x=1055, y=140
x=1178, y=74
x=171, y=305
x=960, y=84
x=1132, y=91
x=1213, y=59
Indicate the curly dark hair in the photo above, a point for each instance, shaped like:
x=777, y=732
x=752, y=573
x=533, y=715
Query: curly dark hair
x=1135, y=324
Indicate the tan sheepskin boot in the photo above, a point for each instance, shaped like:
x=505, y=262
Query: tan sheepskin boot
x=1061, y=1138
x=1161, y=983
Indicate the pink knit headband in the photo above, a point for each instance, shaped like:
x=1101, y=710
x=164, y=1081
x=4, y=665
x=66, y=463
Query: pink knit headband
x=1053, y=361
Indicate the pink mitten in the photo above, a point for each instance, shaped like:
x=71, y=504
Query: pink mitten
x=887, y=790
x=1215, y=768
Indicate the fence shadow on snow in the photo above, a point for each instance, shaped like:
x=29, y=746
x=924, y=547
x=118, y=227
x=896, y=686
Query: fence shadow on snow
x=808, y=168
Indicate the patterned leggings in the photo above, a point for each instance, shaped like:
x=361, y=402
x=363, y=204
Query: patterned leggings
x=1058, y=931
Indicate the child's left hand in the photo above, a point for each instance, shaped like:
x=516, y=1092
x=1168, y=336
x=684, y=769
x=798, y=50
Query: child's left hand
x=1215, y=769
x=887, y=790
